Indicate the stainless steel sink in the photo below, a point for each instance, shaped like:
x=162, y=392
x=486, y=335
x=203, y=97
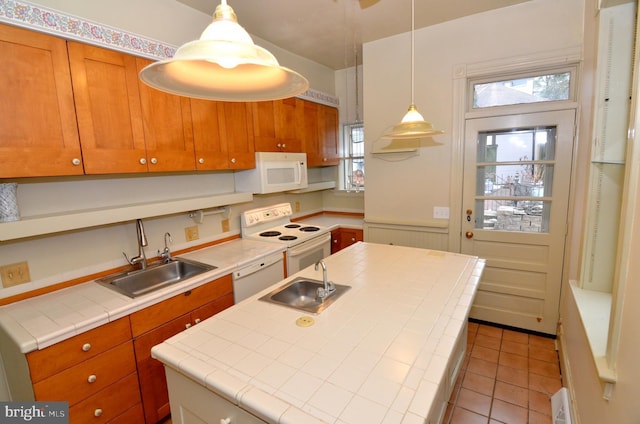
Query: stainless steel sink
x=143, y=281
x=302, y=294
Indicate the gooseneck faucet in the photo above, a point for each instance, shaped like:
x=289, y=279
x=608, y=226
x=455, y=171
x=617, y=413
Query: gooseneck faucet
x=142, y=242
x=329, y=288
x=166, y=252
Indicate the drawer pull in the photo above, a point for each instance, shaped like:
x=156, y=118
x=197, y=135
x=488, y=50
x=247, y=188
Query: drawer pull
x=92, y=378
x=97, y=412
x=86, y=347
x=197, y=320
x=188, y=325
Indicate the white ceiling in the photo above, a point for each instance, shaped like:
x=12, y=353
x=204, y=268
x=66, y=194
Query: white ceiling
x=331, y=31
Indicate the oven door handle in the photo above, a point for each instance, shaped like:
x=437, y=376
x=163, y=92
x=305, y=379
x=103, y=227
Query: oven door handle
x=309, y=245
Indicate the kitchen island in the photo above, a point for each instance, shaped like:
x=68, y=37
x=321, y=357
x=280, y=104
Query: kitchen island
x=387, y=351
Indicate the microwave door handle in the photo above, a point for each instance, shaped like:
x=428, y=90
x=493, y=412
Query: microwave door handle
x=299, y=166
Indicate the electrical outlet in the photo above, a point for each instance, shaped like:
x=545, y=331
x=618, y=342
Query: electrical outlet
x=14, y=274
x=440, y=212
x=297, y=207
x=191, y=233
x=225, y=225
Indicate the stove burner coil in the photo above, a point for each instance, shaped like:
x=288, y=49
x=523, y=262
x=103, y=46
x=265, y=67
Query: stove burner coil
x=270, y=234
x=309, y=229
x=292, y=226
x=287, y=238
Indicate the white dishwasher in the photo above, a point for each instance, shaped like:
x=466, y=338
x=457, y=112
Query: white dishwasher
x=257, y=276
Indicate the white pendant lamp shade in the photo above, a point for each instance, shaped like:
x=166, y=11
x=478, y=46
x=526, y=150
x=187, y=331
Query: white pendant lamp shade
x=413, y=124
x=224, y=64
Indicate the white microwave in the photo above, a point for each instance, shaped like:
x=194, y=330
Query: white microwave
x=274, y=172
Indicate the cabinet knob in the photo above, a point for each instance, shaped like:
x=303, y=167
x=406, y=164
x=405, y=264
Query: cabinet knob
x=197, y=321
x=353, y=239
x=86, y=347
x=324, y=159
x=188, y=325
x=97, y=412
x=143, y=161
x=154, y=161
x=233, y=160
x=284, y=145
x=335, y=241
x=75, y=161
x=92, y=378
x=201, y=160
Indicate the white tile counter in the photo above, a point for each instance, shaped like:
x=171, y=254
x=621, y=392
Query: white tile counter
x=382, y=353
x=333, y=221
x=41, y=321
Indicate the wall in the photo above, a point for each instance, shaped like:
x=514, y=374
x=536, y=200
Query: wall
x=405, y=189
x=587, y=391
x=64, y=256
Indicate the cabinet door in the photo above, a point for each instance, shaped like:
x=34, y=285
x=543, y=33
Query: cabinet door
x=210, y=150
x=329, y=135
x=168, y=134
x=311, y=134
x=236, y=131
x=349, y=237
x=264, y=126
x=153, y=384
x=38, y=130
x=289, y=120
x=105, y=86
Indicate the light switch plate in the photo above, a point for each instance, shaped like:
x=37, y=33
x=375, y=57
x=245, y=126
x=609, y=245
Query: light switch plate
x=440, y=212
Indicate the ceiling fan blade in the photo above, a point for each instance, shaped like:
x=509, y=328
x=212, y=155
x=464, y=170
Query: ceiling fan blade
x=367, y=3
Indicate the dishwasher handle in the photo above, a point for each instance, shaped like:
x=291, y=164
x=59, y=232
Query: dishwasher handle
x=257, y=266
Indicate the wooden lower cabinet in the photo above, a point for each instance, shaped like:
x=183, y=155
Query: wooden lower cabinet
x=344, y=237
x=107, y=374
x=155, y=324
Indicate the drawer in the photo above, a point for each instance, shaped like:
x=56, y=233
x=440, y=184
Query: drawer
x=131, y=415
x=107, y=404
x=160, y=313
x=46, y=362
x=89, y=377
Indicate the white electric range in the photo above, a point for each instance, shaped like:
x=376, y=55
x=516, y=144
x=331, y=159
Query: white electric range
x=306, y=244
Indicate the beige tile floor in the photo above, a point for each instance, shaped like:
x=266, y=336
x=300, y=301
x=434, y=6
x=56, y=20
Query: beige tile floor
x=507, y=377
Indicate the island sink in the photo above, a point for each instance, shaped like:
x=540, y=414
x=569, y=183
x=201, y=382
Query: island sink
x=302, y=294
x=154, y=277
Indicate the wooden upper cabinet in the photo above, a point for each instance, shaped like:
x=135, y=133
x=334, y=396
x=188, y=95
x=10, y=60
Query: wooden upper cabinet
x=168, y=133
x=277, y=125
x=222, y=135
x=105, y=85
x=38, y=130
x=311, y=134
x=328, y=123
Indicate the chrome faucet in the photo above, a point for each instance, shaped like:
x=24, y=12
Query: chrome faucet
x=328, y=288
x=166, y=253
x=142, y=242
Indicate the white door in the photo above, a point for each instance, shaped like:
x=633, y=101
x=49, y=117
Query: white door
x=517, y=171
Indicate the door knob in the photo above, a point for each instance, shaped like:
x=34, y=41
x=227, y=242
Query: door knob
x=468, y=234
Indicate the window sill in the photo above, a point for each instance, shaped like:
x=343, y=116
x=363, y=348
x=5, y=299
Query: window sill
x=594, y=308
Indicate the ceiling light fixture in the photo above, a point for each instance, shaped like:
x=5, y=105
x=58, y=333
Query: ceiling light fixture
x=224, y=64
x=413, y=124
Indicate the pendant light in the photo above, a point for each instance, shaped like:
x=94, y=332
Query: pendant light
x=413, y=124
x=224, y=64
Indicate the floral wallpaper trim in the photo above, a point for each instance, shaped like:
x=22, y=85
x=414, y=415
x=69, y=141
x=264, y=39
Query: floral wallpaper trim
x=42, y=19
x=39, y=18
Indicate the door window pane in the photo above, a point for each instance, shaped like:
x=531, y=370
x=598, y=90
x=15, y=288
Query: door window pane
x=514, y=178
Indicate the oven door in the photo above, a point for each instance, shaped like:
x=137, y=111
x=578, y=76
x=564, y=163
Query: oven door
x=308, y=253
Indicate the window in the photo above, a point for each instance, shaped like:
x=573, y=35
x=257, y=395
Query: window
x=352, y=157
x=529, y=89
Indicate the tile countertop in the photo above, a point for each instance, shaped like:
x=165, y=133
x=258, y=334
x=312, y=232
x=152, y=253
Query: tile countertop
x=333, y=221
x=376, y=355
x=44, y=320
